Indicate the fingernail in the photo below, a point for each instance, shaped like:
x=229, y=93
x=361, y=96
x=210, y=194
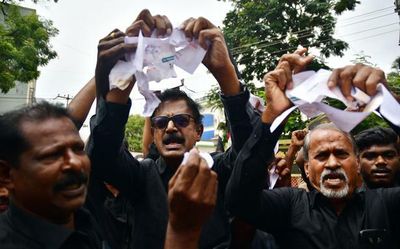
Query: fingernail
x=169, y=31
x=350, y=98
x=330, y=84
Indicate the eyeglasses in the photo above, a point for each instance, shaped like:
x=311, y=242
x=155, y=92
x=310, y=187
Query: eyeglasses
x=180, y=121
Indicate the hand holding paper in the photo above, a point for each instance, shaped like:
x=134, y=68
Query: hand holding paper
x=277, y=81
x=191, y=196
x=217, y=58
x=347, y=85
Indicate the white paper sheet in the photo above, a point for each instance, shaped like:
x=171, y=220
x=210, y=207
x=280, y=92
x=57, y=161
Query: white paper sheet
x=310, y=88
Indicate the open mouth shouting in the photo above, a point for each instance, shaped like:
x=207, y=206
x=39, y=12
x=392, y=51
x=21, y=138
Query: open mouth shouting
x=333, y=179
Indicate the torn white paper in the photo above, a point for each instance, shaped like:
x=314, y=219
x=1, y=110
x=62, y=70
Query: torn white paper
x=310, y=88
x=207, y=157
x=154, y=60
x=273, y=177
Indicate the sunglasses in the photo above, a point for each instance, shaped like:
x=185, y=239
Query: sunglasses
x=180, y=121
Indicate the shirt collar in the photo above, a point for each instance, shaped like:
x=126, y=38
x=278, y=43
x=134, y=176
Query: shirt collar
x=358, y=195
x=47, y=234
x=161, y=165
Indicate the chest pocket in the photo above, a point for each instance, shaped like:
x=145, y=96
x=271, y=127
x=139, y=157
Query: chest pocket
x=375, y=232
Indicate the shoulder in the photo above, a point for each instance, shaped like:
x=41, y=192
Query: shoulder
x=11, y=238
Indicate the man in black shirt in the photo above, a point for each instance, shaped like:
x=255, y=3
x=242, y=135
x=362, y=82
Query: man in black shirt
x=335, y=214
x=45, y=169
x=176, y=127
x=379, y=157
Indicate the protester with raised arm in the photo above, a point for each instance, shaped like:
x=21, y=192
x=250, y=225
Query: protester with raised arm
x=176, y=127
x=335, y=214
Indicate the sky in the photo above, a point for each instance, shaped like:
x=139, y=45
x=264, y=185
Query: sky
x=373, y=28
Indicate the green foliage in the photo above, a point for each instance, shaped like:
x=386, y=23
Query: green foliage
x=24, y=46
x=213, y=100
x=393, y=80
x=259, y=32
x=371, y=121
x=134, y=132
x=293, y=123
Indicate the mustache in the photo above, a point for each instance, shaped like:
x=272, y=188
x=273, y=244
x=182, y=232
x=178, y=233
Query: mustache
x=71, y=178
x=337, y=173
x=173, y=137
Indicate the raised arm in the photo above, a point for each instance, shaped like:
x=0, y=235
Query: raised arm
x=238, y=111
x=111, y=161
x=217, y=57
x=244, y=194
x=79, y=106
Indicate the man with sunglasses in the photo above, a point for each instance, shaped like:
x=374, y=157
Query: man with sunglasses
x=176, y=127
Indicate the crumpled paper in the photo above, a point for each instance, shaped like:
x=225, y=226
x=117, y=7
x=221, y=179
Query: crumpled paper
x=310, y=88
x=154, y=60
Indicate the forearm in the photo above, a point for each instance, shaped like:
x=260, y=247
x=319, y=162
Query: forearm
x=80, y=105
x=240, y=118
x=249, y=174
x=111, y=162
x=291, y=155
x=227, y=80
x=147, y=137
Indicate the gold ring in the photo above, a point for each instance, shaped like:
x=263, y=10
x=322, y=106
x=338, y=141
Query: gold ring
x=112, y=35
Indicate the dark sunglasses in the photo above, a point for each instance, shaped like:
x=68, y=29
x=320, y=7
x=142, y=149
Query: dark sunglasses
x=180, y=121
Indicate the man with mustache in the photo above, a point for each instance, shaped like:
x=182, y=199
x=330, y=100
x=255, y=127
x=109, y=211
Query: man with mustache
x=379, y=157
x=45, y=169
x=335, y=213
x=176, y=127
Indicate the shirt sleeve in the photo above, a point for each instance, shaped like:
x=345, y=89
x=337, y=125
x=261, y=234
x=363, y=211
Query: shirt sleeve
x=111, y=161
x=240, y=117
x=246, y=198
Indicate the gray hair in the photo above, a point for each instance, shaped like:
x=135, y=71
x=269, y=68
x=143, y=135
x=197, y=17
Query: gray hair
x=327, y=126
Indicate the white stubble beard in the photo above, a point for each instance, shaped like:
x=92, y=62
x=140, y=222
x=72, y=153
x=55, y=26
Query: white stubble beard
x=334, y=193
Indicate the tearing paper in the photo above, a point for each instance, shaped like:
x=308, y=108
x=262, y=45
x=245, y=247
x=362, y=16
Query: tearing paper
x=310, y=88
x=207, y=157
x=154, y=60
x=273, y=177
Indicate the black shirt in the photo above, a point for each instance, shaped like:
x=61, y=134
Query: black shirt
x=115, y=165
x=19, y=230
x=114, y=214
x=300, y=219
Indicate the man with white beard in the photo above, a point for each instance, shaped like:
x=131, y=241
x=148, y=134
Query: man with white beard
x=335, y=213
x=333, y=181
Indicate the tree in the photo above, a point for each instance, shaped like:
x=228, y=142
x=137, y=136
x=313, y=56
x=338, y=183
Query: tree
x=393, y=77
x=24, y=46
x=259, y=32
x=134, y=132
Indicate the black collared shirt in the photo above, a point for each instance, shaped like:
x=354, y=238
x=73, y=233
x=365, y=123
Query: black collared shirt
x=300, y=219
x=20, y=230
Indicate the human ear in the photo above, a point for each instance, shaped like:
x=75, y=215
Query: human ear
x=306, y=169
x=199, y=130
x=5, y=175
